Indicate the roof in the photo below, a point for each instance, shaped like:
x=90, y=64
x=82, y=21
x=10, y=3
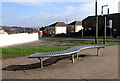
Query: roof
x=42, y=28
x=110, y=15
x=58, y=24
x=75, y=23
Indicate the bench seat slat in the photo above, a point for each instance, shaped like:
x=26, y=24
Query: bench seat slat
x=65, y=52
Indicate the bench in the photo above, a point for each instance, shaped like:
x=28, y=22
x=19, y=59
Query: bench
x=72, y=51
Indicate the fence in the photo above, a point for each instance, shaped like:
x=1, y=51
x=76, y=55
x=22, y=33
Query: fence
x=11, y=39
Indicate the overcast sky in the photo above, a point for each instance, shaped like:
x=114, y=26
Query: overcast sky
x=37, y=13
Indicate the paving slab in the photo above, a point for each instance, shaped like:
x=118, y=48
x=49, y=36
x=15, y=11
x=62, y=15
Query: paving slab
x=104, y=66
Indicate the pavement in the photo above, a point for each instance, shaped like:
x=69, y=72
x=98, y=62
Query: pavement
x=89, y=66
x=45, y=42
x=41, y=42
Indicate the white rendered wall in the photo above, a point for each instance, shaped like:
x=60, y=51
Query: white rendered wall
x=78, y=28
x=60, y=30
x=11, y=39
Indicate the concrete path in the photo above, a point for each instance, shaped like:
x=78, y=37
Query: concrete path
x=41, y=42
x=104, y=66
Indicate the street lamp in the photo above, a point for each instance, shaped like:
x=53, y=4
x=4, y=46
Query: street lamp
x=105, y=22
x=96, y=23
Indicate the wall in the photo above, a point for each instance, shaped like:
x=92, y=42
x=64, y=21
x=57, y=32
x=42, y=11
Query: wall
x=60, y=30
x=78, y=28
x=89, y=22
x=11, y=39
x=51, y=30
x=70, y=29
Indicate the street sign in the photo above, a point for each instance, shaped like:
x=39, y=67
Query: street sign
x=110, y=23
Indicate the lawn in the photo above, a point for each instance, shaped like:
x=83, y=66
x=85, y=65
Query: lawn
x=107, y=40
x=78, y=41
x=83, y=39
x=9, y=52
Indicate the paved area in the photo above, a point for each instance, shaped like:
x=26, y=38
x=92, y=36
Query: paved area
x=45, y=42
x=41, y=42
x=104, y=66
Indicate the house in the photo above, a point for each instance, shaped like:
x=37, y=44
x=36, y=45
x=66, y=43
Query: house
x=114, y=30
x=2, y=31
x=75, y=26
x=56, y=28
x=44, y=30
x=14, y=30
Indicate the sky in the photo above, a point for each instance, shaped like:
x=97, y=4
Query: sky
x=36, y=13
x=119, y=7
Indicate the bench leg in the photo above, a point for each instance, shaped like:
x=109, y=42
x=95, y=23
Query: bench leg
x=98, y=51
x=73, y=58
x=41, y=63
x=77, y=56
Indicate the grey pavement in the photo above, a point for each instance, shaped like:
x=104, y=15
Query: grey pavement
x=104, y=66
x=41, y=42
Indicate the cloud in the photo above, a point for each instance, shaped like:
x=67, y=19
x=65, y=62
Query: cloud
x=119, y=7
x=70, y=7
x=0, y=13
x=42, y=19
x=47, y=0
x=89, y=8
x=70, y=12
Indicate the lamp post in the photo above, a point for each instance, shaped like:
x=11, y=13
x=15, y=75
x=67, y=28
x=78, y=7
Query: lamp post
x=96, y=23
x=105, y=22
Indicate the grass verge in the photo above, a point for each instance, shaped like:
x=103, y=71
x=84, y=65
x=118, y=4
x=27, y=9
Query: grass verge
x=81, y=39
x=9, y=52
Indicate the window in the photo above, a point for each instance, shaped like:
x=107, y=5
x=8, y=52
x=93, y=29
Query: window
x=53, y=32
x=89, y=28
x=114, y=30
x=73, y=27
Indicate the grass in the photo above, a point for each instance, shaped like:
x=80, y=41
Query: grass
x=9, y=52
x=24, y=51
x=82, y=39
x=108, y=40
x=80, y=43
x=67, y=40
x=98, y=37
x=79, y=36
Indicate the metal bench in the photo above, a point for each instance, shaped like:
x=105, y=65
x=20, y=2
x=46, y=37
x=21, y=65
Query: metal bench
x=72, y=51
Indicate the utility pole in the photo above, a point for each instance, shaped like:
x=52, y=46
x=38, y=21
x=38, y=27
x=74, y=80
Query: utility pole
x=105, y=22
x=96, y=23
x=82, y=32
x=66, y=20
x=105, y=31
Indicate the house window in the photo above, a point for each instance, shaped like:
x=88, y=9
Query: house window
x=53, y=32
x=114, y=30
x=89, y=28
x=73, y=27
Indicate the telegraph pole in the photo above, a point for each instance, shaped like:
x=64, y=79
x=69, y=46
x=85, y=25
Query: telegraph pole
x=105, y=30
x=105, y=22
x=96, y=23
x=66, y=20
